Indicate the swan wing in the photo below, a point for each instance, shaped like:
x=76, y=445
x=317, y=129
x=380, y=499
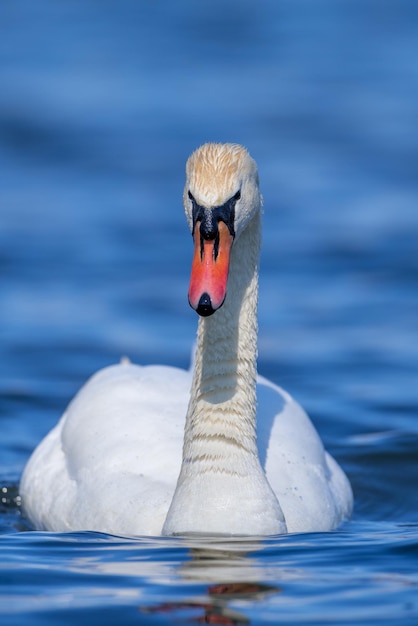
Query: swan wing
x=312, y=489
x=112, y=462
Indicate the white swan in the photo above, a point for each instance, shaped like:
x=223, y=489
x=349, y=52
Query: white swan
x=137, y=453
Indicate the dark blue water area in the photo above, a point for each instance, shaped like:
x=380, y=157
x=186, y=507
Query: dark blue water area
x=100, y=104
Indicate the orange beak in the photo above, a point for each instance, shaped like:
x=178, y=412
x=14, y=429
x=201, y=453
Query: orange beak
x=210, y=268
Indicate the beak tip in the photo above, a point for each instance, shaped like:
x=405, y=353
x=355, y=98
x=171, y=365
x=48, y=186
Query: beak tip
x=204, y=307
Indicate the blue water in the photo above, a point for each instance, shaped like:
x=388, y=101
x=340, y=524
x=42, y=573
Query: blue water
x=100, y=104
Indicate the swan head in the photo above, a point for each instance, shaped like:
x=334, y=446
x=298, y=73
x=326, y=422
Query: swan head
x=221, y=196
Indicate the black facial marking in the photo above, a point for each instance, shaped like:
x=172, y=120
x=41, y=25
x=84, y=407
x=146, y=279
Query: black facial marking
x=209, y=217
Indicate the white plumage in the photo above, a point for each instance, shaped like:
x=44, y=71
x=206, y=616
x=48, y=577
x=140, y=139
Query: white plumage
x=158, y=450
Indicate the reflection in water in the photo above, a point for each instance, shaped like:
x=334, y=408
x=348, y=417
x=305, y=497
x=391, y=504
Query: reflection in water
x=215, y=609
x=232, y=575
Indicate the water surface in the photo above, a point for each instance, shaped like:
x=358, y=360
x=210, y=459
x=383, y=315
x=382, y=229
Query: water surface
x=100, y=105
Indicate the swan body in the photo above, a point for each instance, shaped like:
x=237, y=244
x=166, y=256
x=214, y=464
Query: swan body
x=217, y=450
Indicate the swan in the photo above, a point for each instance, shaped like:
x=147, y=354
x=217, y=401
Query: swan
x=157, y=450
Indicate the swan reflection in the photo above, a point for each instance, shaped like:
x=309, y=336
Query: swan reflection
x=232, y=574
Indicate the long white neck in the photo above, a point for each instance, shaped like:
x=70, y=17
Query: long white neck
x=222, y=407
x=222, y=487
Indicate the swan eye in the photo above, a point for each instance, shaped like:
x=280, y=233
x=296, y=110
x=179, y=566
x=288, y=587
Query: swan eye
x=189, y=193
x=237, y=195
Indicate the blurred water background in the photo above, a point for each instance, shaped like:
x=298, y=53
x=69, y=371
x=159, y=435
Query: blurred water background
x=101, y=102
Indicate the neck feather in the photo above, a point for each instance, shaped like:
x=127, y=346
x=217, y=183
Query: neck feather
x=223, y=395
x=222, y=487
